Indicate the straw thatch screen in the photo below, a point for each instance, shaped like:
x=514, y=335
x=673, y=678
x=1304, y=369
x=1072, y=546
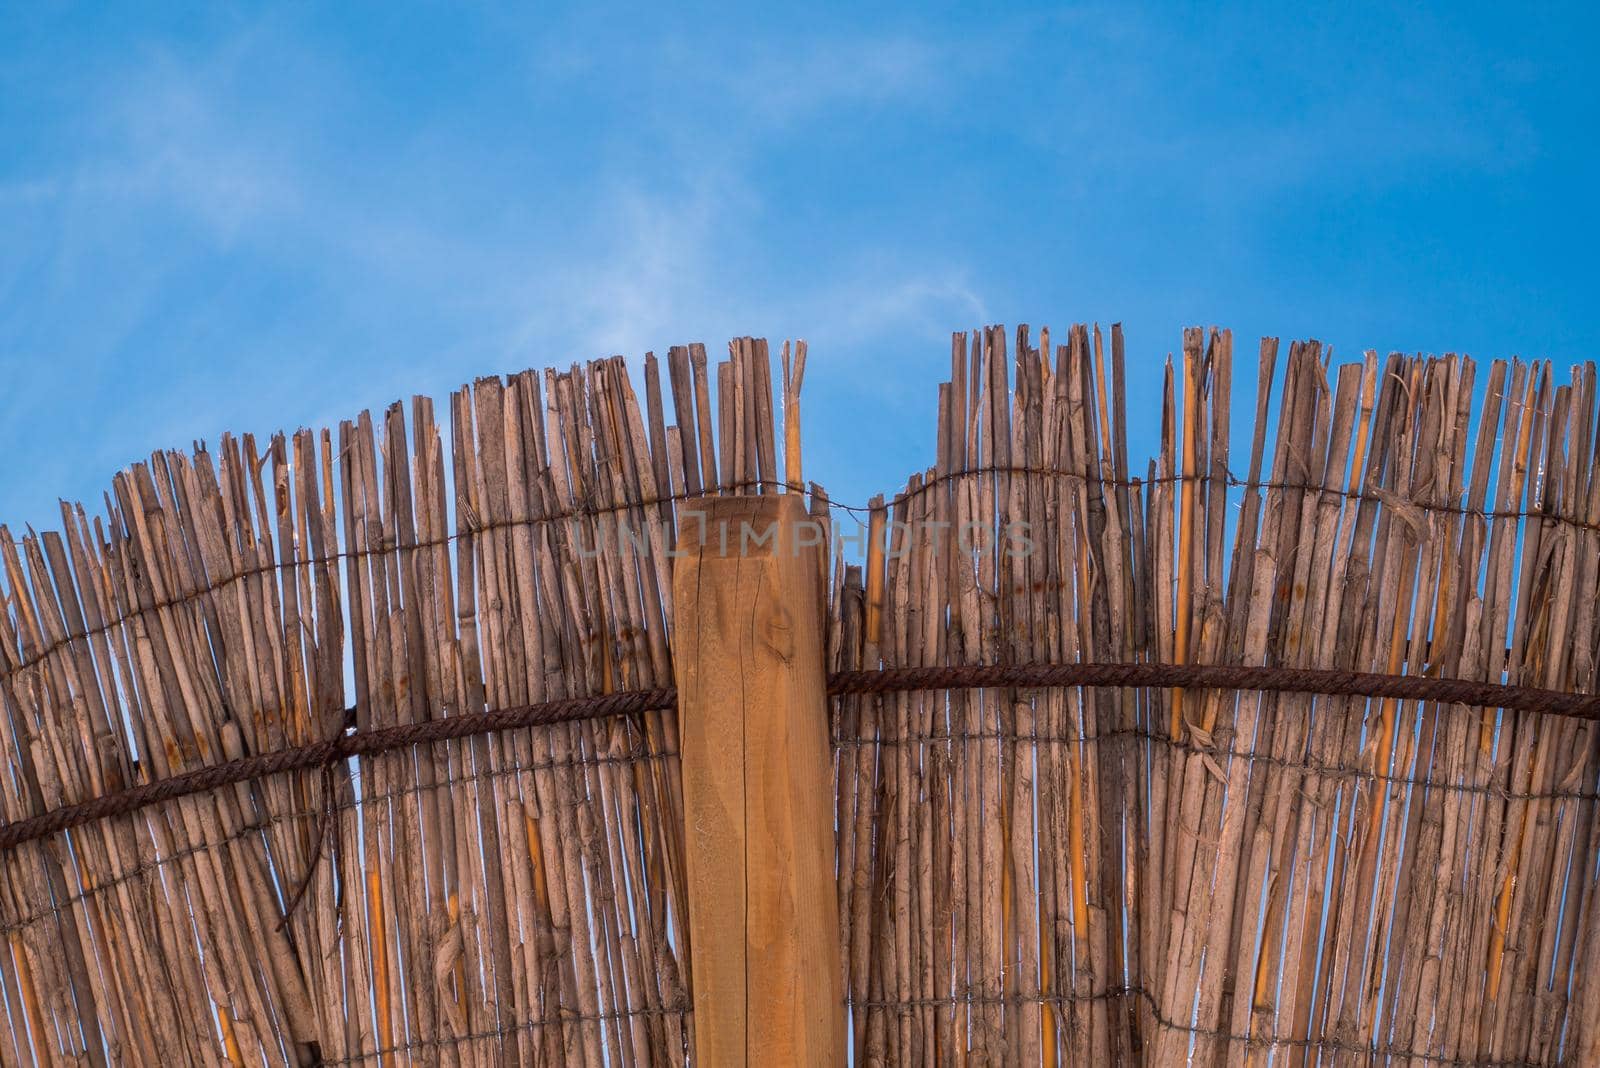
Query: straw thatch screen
x=1034, y=877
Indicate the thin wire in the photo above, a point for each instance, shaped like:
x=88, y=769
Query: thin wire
x=1164, y=1022
x=367, y=802
x=1334, y=771
x=566, y=1016
x=374, y=802
x=475, y=527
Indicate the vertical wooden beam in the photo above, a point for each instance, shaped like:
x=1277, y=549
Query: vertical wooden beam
x=758, y=795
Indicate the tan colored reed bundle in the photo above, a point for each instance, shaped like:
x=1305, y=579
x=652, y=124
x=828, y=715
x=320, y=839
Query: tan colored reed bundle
x=1301, y=879
x=1025, y=877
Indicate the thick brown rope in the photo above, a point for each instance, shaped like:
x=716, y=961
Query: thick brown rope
x=841, y=683
x=318, y=754
x=1219, y=677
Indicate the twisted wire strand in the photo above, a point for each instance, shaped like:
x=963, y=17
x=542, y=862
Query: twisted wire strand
x=878, y=681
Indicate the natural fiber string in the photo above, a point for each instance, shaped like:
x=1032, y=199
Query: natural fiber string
x=884, y=680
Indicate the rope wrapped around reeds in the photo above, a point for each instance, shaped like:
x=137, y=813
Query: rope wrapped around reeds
x=358, y=746
x=840, y=683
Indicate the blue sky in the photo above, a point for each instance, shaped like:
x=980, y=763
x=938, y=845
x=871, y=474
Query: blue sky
x=221, y=217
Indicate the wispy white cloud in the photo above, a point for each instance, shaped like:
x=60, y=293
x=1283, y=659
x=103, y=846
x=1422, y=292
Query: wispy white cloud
x=182, y=149
x=649, y=270
x=252, y=230
x=778, y=86
x=924, y=302
x=189, y=163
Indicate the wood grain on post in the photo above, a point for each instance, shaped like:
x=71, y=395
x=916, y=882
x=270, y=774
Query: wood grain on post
x=763, y=919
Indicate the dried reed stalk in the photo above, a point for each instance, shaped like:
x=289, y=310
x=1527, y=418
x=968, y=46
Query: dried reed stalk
x=1024, y=877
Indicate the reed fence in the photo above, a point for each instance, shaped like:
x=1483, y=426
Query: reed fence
x=1032, y=869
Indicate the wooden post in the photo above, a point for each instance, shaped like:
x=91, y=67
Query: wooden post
x=758, y=794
